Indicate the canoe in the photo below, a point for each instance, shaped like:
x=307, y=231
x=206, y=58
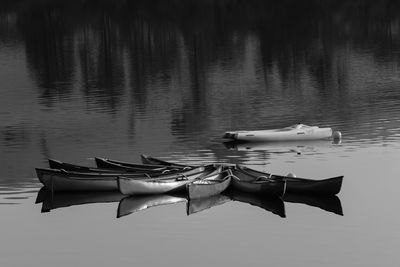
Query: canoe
x=61, y=180
x=58, y=200
x=56, y=164
x=170, y=183
x=329, y=186
x=328, y=203
x=295, y=132
x=247, y=183
x=132, y=167
x=209, y=186
x=146, y=159
x=200, y=204
x=269, y=203
x=137, y=203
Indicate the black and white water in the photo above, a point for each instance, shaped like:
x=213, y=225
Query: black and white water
x=80, y=79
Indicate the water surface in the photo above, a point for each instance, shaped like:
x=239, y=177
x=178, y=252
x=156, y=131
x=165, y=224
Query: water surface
x=82, y=79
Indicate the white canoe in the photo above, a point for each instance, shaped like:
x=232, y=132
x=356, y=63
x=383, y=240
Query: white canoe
x=162, y=185
x=292, y=133
x=208, y=186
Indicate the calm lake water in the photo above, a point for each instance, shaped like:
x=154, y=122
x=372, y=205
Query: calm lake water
x=117, y=79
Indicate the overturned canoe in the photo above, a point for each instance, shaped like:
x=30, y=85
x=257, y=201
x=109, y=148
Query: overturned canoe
x=209, y=186
x=246, y=183
x=292, y=133
x=329, y=186
x=165, y=184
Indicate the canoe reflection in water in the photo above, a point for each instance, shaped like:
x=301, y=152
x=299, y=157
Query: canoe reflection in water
x=269, y=203
x=137, y=203
x=51, y=201
x=201, y=204
x=290, y=147
x=131, y=204
x=327, y=203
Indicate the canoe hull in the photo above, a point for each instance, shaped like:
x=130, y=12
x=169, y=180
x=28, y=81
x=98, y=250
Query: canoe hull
x=295, y=134
x=135, y=187
x=160, y=185
x=198, y=190
x=294, y=185
x=60, y=183
x=270, y=187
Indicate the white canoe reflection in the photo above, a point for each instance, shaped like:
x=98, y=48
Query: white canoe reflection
x=282, y=147
x=137, y=203
x=200, y=204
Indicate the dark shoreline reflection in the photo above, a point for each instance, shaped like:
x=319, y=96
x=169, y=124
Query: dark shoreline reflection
x=135, y=60
x=65, y=40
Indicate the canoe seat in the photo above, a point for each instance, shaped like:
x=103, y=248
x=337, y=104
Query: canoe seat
x=262, y=178
x=182, y=177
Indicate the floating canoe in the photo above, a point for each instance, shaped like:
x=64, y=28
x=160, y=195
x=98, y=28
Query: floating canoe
x=132, y=167
x=269, y=203
x=292, y=133
x=137, y=203
x=61, y=180
x=56, y=164
x=244, y=182
x=330, y=186
x=209, y=186
x=169, y=183
x=146, y=159
x=200, y=204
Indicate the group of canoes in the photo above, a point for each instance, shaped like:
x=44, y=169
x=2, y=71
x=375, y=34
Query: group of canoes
x=155, y=176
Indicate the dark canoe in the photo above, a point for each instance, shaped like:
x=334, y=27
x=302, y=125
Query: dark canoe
x=62, y=180
x=246, y=183
x=56, y=164
x=200, y=204
x=269, y=203
x=146, y=159
x=58, y=200
x=329, y=203
x=125, y=166
x=137, y=203
x=330, y=186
